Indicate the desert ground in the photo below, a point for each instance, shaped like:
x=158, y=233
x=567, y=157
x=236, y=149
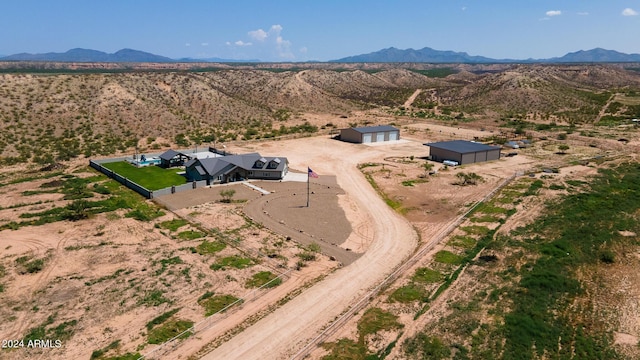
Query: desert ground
x=430, y=221
x=104, y=284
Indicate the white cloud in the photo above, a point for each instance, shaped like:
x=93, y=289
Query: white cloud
x=270, y=41
x=583, y=13
x=276, y=28
x=303, y=50
x=266, y=44
x=554, y=13
x=284, y=48
x=204, y=44
x=259, y=35
x=629, y=12
x=187, y=44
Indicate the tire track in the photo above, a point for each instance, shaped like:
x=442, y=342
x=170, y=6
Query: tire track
x=39, y=283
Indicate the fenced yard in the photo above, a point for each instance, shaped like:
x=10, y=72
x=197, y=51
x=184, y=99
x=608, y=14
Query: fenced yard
x=150, y=177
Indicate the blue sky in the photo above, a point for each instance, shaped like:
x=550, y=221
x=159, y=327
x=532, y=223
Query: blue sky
x=301, y=30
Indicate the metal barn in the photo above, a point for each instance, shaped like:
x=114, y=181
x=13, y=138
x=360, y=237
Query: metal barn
x=370, y=134
x=462, y=151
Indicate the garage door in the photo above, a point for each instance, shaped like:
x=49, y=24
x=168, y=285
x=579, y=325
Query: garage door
x=366, y=138
x=393, y=136
x=379, y=137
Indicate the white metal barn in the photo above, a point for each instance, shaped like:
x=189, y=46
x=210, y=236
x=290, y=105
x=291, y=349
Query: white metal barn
x=370, y=134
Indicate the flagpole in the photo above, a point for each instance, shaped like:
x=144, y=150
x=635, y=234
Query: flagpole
x=308, y=176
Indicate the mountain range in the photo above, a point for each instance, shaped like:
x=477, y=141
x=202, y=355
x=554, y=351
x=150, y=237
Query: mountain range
x=87, y=55
x=430, y=55
x=389, y=55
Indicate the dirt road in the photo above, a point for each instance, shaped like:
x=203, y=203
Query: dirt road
x=281, y=334
x=412, y=98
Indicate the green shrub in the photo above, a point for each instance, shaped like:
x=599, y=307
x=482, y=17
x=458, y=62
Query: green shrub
x=262, y=278
x=307, y=256
x=174, y=224
x=447, y=257
x=166, y=262
x=344, y=349
x=144, y=213
x=190, y=235
x=216, y=303
x=533, y=188
x=169, y=330
x=29, y=265
x=427, y=276
x=607, y=256
x=210, y=247
x=476, y=230
x=162, y=318
x=153, y=298
x=466, y=242
x=408, y=293
x=374, y=320
x=234, y=261
x=421, y=346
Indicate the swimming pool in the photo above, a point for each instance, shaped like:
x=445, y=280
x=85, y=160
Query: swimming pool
x=146, y=162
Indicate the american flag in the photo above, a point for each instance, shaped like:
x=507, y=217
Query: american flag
x=311, y=173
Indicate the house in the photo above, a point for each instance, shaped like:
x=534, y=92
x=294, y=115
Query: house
x=171, y=158
x=370, y=134
x=462, y=152
x=236, y=168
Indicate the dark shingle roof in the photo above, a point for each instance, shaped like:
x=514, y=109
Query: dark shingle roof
x=373, y=129
x=224, y=164
x=461, y=146
x=170, y=154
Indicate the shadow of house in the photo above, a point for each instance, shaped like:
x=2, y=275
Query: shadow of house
x=236, y=168
x=172, y=158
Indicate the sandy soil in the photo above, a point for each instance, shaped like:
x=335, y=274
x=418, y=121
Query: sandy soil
x=77, y=282
x=284, y=344
x=284, y=332
x=345, y=213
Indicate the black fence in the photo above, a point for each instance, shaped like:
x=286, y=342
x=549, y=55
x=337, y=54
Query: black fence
x=122, y=180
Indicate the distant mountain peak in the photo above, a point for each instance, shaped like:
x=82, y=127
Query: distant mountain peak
x=429, y=55
x=425, y=54
x=89, y=55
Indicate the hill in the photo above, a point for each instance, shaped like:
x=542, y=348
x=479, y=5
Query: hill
x=72, y=114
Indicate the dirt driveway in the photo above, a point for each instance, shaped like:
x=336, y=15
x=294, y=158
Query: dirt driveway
x=392, y=239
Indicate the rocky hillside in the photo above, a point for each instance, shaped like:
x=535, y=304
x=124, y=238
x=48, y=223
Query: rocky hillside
x=46, y=117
